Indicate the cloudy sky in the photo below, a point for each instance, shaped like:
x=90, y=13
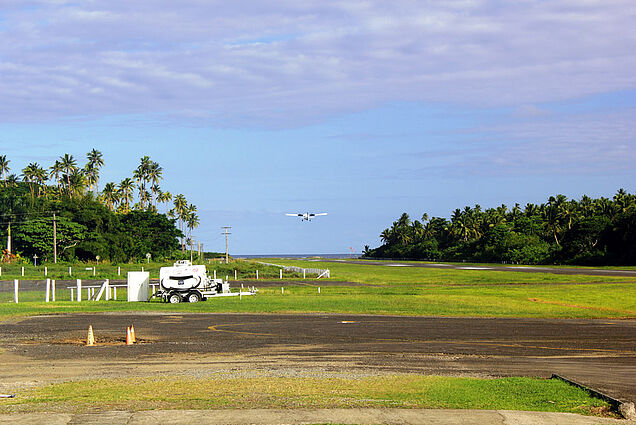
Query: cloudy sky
x=361, y=109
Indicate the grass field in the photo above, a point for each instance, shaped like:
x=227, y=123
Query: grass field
x=384, y=290
x=405, y=391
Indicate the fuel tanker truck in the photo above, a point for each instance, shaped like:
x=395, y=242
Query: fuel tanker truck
x=187, y=282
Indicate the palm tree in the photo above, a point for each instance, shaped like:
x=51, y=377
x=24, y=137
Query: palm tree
x=110, y=195
x=180, y=209
x=192, y=222
x=164, y=197
x=4, y=167
x=28, y=175
x=40, y=178
x=69, y=165
x=54, y=172
x=77, y=183
x=155, y=173
x=11, y=181
x=141, y=176
x=126, y=190
x=95, y=162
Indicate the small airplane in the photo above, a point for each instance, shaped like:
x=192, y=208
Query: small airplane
x=306, y=216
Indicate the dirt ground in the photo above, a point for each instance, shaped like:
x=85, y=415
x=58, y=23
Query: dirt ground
x=43, y=349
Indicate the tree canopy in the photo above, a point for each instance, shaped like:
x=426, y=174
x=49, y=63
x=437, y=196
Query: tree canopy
x=564, y=231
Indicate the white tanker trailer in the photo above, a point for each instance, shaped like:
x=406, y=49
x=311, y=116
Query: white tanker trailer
x=186, y=282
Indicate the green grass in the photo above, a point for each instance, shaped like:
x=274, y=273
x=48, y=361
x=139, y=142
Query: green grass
x=245, y=270
x=552, y=301
x=404, y=391
x=382, y=275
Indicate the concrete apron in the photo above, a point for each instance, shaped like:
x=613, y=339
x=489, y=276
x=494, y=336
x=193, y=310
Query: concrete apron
x=342, y=416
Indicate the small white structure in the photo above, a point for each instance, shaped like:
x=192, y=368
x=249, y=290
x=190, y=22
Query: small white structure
x=138, y=283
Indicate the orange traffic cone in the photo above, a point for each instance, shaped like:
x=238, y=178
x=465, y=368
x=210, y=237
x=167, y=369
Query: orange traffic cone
x=90, y=339
x=132, y=334
x=129, y=340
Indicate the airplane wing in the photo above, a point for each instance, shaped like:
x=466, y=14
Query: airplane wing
x=318, y=214
x=294, y=215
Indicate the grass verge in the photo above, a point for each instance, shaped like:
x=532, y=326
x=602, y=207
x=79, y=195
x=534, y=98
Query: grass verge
x=403, y=391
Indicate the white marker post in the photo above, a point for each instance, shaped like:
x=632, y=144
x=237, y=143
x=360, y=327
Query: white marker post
x=282, y=289
x=303, y=273
x=319, y=289
x=118, y=271
x=53, y=290
x=115, y=293
x=234, y=274
x=79, y=290
x=22, y=271
x=215, y=274
x=16, y=286
x=0, y=271
x=256, y=274
x=47, y=290
x=69, y=271
x=107, y=294
x=93, y=271
x=281, y=273
x=46, y=271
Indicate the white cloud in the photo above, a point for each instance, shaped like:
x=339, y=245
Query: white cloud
x=285, y=63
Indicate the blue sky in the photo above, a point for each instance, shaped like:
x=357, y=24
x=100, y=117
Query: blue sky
x=360, y=109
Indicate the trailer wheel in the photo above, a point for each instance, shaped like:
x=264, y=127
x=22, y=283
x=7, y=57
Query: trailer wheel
x=174, y=299
x=193, y=297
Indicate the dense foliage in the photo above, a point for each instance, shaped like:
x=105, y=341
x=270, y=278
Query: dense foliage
x=587, y=231
x=90, y=223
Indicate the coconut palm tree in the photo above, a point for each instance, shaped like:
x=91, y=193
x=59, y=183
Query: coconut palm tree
x=140, y=175
x=110, y=195
x=28, y=175
x=164, y=197
x=54, y=172
x=11, y=180
x=41, y=177
x=77, y=183
x=155, y=173
x=69, y=166
x=4, y=167
x=95, y=162
x=180, y=210
x=126, y=187
x=192, y=222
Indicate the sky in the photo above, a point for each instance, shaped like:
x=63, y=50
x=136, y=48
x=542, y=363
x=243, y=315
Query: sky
x=361, y=109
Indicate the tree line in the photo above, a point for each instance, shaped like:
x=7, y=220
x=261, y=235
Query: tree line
x=560, y=231
x=119, y=223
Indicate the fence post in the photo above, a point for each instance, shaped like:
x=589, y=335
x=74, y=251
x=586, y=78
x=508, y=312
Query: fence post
x=72, y=294
x=303, y=273
x=79, y=290
x=70, y=271
x=115, y=293
x=215, y=274
x=16, y=285
x=282, y=289
x=234, y=274
x=53, y=290
x=48, y=290
x=118, y=270
x=256, y=274
x=107, y=295
x=46, y=271
x=0, y=271
x=93, y=271
x=281, y=273
x=22, y=270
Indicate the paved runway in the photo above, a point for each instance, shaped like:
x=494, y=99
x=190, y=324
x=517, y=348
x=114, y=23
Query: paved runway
x=495, y=267
x=599, y=353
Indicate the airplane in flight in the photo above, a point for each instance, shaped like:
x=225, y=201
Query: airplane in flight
x=306, y=216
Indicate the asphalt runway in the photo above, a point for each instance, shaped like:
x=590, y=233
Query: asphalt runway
x=598, y=353
x=520, y=269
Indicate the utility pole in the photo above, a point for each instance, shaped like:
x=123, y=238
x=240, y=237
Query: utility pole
x=54, y=240
x=225, y=232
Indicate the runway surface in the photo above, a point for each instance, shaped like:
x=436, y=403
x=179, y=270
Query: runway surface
x=520, y=269
x=598, y=353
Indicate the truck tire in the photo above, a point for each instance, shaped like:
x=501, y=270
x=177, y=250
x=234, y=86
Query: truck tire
x=174, y=298
x=193, y=297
